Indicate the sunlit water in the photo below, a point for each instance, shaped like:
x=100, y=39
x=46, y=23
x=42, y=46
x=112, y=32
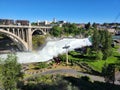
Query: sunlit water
x=51, y=49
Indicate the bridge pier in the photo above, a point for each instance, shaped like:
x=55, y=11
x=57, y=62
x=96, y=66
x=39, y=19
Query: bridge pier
x=13, y=30
x=22, y=34
x=8, y=29
x=18, y=32
x=29, y=39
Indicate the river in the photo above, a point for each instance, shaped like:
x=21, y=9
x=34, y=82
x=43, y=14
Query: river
x=51, y=49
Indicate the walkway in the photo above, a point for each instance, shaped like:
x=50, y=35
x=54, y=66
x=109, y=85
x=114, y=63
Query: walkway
x=71, y=72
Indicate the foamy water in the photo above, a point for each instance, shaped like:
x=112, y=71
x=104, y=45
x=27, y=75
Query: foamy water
x=51, y=49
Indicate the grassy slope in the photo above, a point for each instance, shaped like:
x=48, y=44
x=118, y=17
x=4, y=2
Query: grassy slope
x=97, y=65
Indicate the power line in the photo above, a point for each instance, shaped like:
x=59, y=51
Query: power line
x=117, y=17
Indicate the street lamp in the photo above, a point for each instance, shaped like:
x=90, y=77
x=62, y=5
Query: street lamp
x=66, y=47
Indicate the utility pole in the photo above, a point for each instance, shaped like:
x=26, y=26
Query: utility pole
x=66, y=47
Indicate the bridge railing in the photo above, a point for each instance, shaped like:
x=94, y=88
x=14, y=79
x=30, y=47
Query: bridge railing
x=21, y=26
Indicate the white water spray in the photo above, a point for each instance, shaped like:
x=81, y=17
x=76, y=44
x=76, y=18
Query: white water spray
x=51, y=49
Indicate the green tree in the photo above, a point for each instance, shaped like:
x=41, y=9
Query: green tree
x=37, y=41
x=87, y=26
x=34, y=24
x=56, y=31
x=94, y=25
x=102, y=40
x=107, y=49
x=102, y=37
x=108, y=72
x=71, y=29
x=66, y=30
x=82, y=31
x=95, y=40
x=10, y=72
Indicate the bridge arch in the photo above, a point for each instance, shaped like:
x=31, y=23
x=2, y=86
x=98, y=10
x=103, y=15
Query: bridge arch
x=16, y=39
x=40, y=31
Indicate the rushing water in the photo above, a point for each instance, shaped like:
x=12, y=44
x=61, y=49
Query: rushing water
x=51, y=49
x=117, y=37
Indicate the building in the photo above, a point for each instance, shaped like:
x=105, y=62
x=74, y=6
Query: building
x=22, y=22
x=81, y=25
x=43, y=23
x=6, y=21
x=111, y=30
x=61, y=22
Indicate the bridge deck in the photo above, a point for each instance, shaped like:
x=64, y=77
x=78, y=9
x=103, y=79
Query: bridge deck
x=21, y=26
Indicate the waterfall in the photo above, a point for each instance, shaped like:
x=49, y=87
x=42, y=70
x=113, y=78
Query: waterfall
x=51, y=49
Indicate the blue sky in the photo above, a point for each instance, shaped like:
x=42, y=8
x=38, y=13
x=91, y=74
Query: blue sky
x=80, y=11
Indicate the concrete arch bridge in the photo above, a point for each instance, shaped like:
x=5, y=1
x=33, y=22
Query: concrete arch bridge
x=22, y=35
